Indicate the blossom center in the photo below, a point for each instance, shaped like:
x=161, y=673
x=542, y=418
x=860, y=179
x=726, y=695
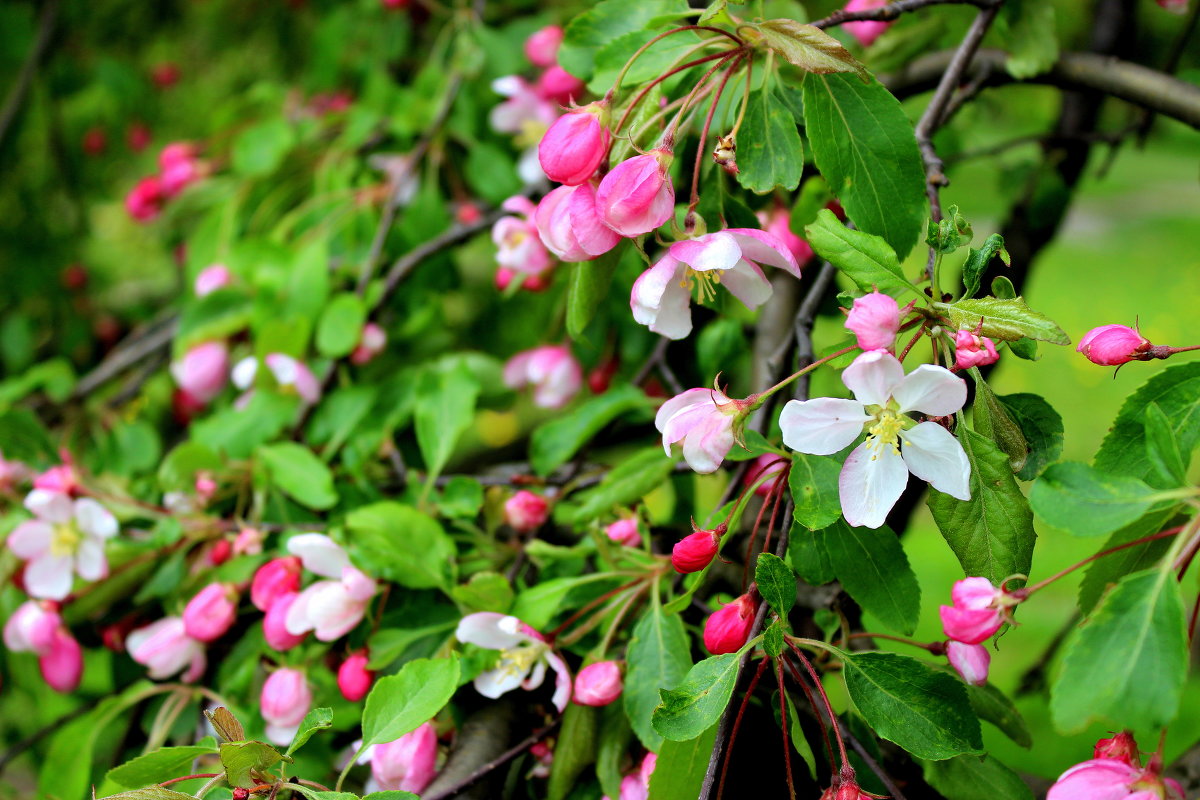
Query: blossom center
x=705, y=282
x=886, y=430
x=65, y=539
x=520, y=660
x=531, y=133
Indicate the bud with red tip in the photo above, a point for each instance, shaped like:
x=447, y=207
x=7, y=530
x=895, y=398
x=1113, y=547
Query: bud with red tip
x=220, y=552
x=1122, y=747
x=370, y=344
x=601, y=376
x=145, y=200
x=971, y=661
x=598, y=684
x=559, y=86
x=971, y=350
x=765, y=466
x=75, y=277
x=625, y=532
x=727, y=629
x=874, y=320
x=275, y=630
x=353, y=678
x=695, y=551
x=277, y=577
x=1113, y=345
x=575, y=145
x=526, y=511
x=211, y=612
x=285, y=699
x=541, y=48
x=637, y=196
x=62, y=663
x=979, y=610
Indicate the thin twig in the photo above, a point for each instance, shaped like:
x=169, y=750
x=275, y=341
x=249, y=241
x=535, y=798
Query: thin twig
x=16, y=95
x=498, y=761
x=892, y=11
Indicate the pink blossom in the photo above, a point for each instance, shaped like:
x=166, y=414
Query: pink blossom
x=284, y=701
x=331, y=608
x=971, y=661
x=764, y=466
x=636, y=785
x=874, y=320
x=524, y=656
x=370, y=344
x=541, y=48
x=526, y=511
x=695, y=551
x=275, y=630
x=353, y=678
x=971, y=350
x=559, y=86
x=778, y=222
x=979, y=610
x=211, y=612
x=175, y=153
x=866, y=31
x=211, y=278
x=702, y=419
x=66, y=536
x=277, y=577
x=524, y=111
x=553, y=372
x=11, y=473
x=1113, y=779
x=637, y=196
x=32, y=627
x=570, y=226
x=166, y=649
x=1122, y=747
x=248, y=542
x=575, y=145
x=728, y=628
x=529, y=283
x=61, y=664
x=518, y=245
x=61, y=479
x=624, y=532
x=145, y=200
x=407, y=764
x=1113, y=345
x=203, y=371
x=598, y=684
x=290, y=374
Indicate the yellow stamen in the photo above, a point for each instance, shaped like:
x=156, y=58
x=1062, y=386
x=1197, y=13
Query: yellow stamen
x=705, y=281
x=885, y=431
x=65, y=539
x=520, y=660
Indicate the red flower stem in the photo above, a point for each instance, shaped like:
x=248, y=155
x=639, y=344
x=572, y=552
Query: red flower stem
x=599, y=600
x=920, y=332
x=646, y=89
x=737, y=723
x=812, y=701
x=783, y=724
x=731, y=55
x=660, y=37
x=1024, y=593
x=750, y=547
x=934, y=647
x=777, y=491
x=763, y=395
x=701, y=147
x=820, y=687
x=197, y=776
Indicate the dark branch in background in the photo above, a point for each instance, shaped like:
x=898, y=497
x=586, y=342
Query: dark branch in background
x=16, y=96
x=138, y=345
x=1171, y=65
x=893, y=11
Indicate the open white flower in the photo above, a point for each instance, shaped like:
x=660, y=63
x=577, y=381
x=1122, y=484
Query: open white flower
x=876, y=472
x=67, y=537
x=524, y=655
x=330, y=608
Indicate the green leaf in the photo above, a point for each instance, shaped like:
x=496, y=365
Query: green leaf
x=695, y=705
x=24, y=439
x=403, y=545
x=555, y=442
x=615, y=734
x=874, y=570
x=773, y=642
x=992, y=533
x=1161, y=448
x=680, y=768
x=923, y=710
x=299, y=474
x=949, y=233
x=806, y=551
x=1129, y=661
x=994, y=706
x=658, y=657
x=1031, y=37
x=655, y=60
x=991, y=419
x=811, y=49
x=1025, y=348
x=1042, y=428
x=216, y=315
x=864, y=145
x=604, y=22
x=400, y=703
x=769, y=152
x=158, y=765
x=624, y=485
x=1006, y=319
x=236, y=432
x=867, y=260
x=575, y=750
x=977, y=261
x=341, y=324
x=796, y=735
x=972, y=777
x=491, y=172
x=261, y=148
x=588, y=287
x=486, y=591
x=338, y=415
x=177, y=472
x=390, y=794
x=318, y=719
x=150, y=793
x=445, y=406
x=239, y=759
x=814, y=485
x=776, y=583
x=1084, y=501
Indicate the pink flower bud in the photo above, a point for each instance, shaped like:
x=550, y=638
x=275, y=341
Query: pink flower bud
x=203, y=371
x=62, y=663
x=778, y=223
x=165, y=75
x=695, y=551
x=874, y=319
x=285, y=699
x=976, y=613
x=1122, y=747
x=138, y=137
x=541, y=48
x=728, y=628
x=371, y=344
x=625, y=532
x=145, y=200
x=275, y=630
x=598, y=684
x=866, y=31
x=559, y=86
x=765, y=465
x=353, y=678
x=211, y=612
x=219, y=553
x=33, y=627
x=212, y=278
x=248, y=542
x=553, y=372
x=1112, y=345
x=174, y=154
x=277, y=577
x=637, y=196
x=409, y=763
x=95, y=141
x=179, y=176
x=206, y=487
x=973, y=351
x=970, y=660
x=574, y=146
x=526, y=511
x=569, y=224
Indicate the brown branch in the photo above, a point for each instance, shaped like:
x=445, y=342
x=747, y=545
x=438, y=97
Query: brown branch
x=138, y=345
x=20, y=89
x=499, y=761
x=893, y=11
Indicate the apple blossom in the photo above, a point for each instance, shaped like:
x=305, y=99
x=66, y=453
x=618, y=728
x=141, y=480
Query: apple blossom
x=145, y=200
x=876, y=472
x=703, y=419
x=272, y=580
x=290, y=374
x=866, y=31
x=371, y=343
x=979, y=610
x=211, y=612
x=696, y=551
x=166, y=649
x=662, y=295
x=61, y=664
x=971, y=661
x=624, y=532
x=329, y=608
x=519, y=247
x=598, y=684
x=211, y=278
x=353, y=678
x=637, y=196
x=284, y=702
x=778, y=222
x=569, y=224
x=32, y=627
x=11, y=473
x=60, y=478
x=575, y=145
x=407, y=764
x=874, y=321
x=203, y=371
x=249, y=541
x=559, y=86
x=636, y=785
x=275, y=630
x=526, y=511
x=728, y=628
x=1113, y=779
x=551, y=369
x=1113, y=345
x=971, y=350
x=66, y=536
x=541, y=48
x=524, y=656
x=769, y=466
x=524, y=111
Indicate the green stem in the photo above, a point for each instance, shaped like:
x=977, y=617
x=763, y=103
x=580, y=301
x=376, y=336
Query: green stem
x=763, y=395
x=637, y=54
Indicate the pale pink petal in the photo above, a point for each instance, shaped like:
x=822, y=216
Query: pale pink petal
x=822, y=426
x=704, y=449
x=764, y=248
x=562, y=681
x=660, y=302
x=974, y=593
x=48, y=577
x=935, y=456
x=484, y=630
x=679, y=402
x=516, y=370
x=712, y=251
x=674, y=317
x=53, y=507
x=536, y=675
x=686, y=422
x=319, y=554
x=931, y=390
x=90, y=563
x=872, y=377
x=519, y=204
x=244, y=372
x=872, y=480
x=197, y=666
x=1098, y=779
x=94, y=519
x=297, y=621
x=498, y=681
x=971, y=661
x=31, y=539
x=747, y=283
x=594, y=237
x=557, y=387
x=358, y=585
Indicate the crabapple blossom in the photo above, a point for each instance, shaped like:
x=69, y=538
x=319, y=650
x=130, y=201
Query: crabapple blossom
x=145, y=200
x=636, y=785
x=518, y=245
x=972, y=350
x=559, y=86
x=203, y=371
x=277, y=577
x=370, y=344
x=61, y=664
x=728, y=628
x=662, y=295
x=165, y=75
x=979, y=610
x=778, y=222
x=1113, y=779
x=703, y=419
x=876, y=472
x=570, y=226
x=636, y=196
x=526, y=511
x=329, y=608
x=523, y=112
x=248, y=542
x=624, y=532
x=971, y=661
x=695, y=551
x=60, y=478
x=575, y=145
x=765, y=466
x=211, y=612
x=66, y=536
x=291, y=375
x=598, y=684
x=874, y=321
x=284, y=702
x=524, y=656
x=166, y=649
x=211, y=278
x=275, y=630
x=541, y=48
x=866, y=31
x=11, y=473
x=353, y=677
x=407, y=764
x=1113, y=345
x=32, y=626
x=551, y=369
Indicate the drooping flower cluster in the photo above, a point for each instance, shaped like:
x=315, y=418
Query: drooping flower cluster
x=179, y=167
x=979, y=610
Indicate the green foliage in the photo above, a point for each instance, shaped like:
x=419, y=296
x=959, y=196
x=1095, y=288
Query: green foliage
x=867, y=260
x=340, y=325
x=813, y=481
x=240, y=759
x=1041, y=427
x=695, y=705
x=318, y=719
x=776, y=583
x=1086, y=502
x=872, y=568
x=556, y=442
x=679, y=771
x=158, y=765
x=402, y=544
x=1008, y=319
x=299, y=474
x=769, y=153
x=588, y=288
x=658, y=658
x=977, y=262
x=967, y=777
x=601, y=24
x=400, y=703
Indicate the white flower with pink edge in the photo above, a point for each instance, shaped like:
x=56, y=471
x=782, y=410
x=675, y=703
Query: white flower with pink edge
x=66, y=537
x=524, y=656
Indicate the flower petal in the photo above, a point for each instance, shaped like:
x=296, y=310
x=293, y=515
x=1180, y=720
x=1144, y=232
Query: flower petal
x=706, y=447
x=822, y=426
x=872, y=377
x=562, y=681
x=931, y=390
x=90, y=563
x=483, y=629
x=934, y=455
x=746, y=282
x=660, y=302
x=1098, y=779
x=872, y=480
x=319, y=554
x=712, y=251
x=53, y=507
x=765, y=248
x=679, y=402
x=495, y=682
x=48, y=577
x=30, y=539
x=94, y=519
